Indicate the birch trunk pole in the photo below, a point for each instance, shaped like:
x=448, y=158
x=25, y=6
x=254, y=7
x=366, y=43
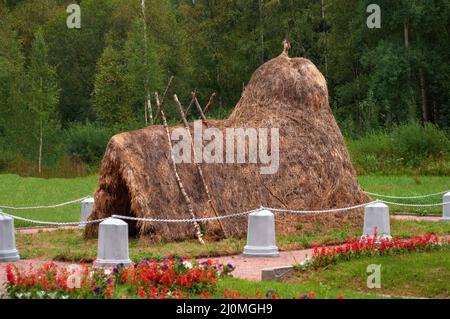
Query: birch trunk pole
x=197, y=229
x=199, y=168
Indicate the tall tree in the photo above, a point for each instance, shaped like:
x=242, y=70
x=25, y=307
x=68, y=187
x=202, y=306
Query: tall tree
x=143, y=71
x=75, y=53
x=14, y=121
x=44, y=90
x=111, y=102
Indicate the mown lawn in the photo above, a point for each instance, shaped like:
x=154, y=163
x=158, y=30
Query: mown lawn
x=288, y=290
x=416, y=274
x=69, y=245
x=408, y=186
x=28, y=191
x=20, y=191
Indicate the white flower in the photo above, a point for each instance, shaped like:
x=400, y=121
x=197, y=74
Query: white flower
x=41, y=294
x=107, y=272
x=187, y=264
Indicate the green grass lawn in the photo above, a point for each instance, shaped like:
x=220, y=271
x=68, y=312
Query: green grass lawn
x=288, y=290
x=416, y=274
x=20, y=191
x=408, y=186
x=69, y=245
x=29, y=191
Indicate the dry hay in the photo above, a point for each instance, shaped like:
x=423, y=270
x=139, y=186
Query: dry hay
x=315, y=170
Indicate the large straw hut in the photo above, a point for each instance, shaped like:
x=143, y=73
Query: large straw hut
x=315, y=171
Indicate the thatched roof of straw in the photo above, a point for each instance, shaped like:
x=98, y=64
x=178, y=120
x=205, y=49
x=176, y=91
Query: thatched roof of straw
x=315, y=170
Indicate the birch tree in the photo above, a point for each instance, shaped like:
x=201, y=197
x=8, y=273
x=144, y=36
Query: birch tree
x=142, y=67
x=44, y=92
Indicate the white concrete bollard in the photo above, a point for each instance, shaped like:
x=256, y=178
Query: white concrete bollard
x=86, y=210
x=261, y=235
x=8, y=251
x=446, y=208
x=112, y=243
x=377, y=215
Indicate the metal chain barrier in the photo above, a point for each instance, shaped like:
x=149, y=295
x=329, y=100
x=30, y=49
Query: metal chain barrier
x=415, y=205
x=53, y=223
x=191, y=220
x=406, y=197
x=205, y=219
x=311, y=212
x=50, y=206
x=185, y=220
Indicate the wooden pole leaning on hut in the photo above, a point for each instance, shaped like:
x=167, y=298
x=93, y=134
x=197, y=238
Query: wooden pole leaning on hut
x=199, y=168
x=163, y=101
x=199, y=108
x=210, y=102
x=194, y=93
x=160, y=105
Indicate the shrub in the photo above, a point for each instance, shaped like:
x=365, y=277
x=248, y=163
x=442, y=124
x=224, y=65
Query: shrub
x=415, y=143
x=6, y=157
x=407, y=149
x=87, y=142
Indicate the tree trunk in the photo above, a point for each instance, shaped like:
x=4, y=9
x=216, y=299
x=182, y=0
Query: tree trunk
x=41, y=139
x=406, y=32
x=261, y=31
x=147, y=103
x=145, y=113
x=423, y=91
x=149, y=108
x=324, y=31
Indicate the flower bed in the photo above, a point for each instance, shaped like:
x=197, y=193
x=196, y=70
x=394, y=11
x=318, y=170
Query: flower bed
x=370, y=246
x=173, y=277
x=169, y=278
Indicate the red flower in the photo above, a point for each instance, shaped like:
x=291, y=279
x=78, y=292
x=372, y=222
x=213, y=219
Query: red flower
x=10, y=275
x=141, y=292
x=204, y=295
x=340, y=297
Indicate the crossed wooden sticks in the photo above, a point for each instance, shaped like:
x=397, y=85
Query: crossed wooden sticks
x=160, y=111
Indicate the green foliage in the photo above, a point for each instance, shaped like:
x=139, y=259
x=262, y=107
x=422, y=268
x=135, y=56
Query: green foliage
x=111, y=102
x=43, y=91
x=415, y=143
x=408, y=148
x=43, y=83
x=87, y=142
x=106, y=70
x=143, y=72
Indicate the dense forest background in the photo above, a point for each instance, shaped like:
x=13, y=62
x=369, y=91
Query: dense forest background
x=64, y=92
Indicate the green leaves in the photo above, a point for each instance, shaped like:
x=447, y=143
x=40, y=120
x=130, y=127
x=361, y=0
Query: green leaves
x=42, y=79
x=110, y=94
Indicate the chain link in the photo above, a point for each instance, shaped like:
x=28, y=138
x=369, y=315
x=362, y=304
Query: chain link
x=415, y=205
x=311, y=212
x=186, y=220
x=50, y=206
x=205, y=219
x=53, y=223
x=406, y=197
